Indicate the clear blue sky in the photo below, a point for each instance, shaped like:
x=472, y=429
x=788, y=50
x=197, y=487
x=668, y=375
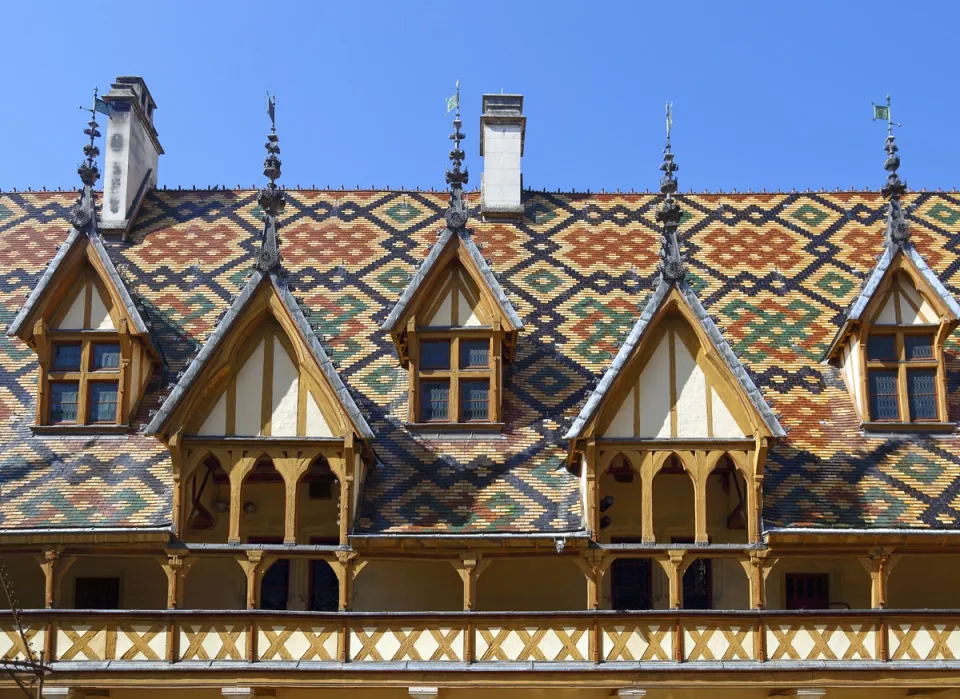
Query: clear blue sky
x=773, y=94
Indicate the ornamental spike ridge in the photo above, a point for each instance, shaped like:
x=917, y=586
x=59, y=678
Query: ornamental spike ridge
x=83, y=214
x=457, y=176
x=271, y=198
x=669, y=213
x=894, y=188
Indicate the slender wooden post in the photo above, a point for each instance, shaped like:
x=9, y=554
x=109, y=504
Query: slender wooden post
x=646, y=496
x=700, y=498
x=346, y=488
x=49, y=566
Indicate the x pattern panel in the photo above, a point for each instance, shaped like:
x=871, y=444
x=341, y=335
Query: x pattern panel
x=11, y=644
x=283, y=642
x=821, y=642
x=550, y=644
x=637, y=642
x=775, y=270
x=212, y=642
x=718, y=642
x=923, y=641
x=406, y=644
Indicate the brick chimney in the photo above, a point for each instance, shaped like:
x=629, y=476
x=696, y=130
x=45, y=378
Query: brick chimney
x=502, y=129
x=132, y=152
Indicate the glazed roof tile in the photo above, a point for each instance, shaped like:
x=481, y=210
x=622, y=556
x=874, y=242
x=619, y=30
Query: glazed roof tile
x=775, y=271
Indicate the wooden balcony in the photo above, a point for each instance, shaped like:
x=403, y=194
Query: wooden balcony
x=78, y=640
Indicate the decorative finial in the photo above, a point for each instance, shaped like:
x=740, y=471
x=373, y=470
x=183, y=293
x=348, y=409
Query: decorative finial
x=894, y=188
x=671, y=267
x=84, y=210
x=271, y=198
x=456, y=177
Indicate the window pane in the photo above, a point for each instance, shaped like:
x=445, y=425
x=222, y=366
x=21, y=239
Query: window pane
x=918, y=346
x=883, y=395
x=106, y=356
x=922, y=391
x=882, y=347
x=63, y=401
x=474, y=354
x=435, y=354
x=66, y=356
x=103, y=401
x=474, y=399
x=434, y=400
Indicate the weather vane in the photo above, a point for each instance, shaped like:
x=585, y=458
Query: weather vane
x=882, y=113
x=271, y=110
x=669, y=121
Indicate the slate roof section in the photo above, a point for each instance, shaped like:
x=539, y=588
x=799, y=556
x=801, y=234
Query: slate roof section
x=636, y=335
x=424, y=271
x=775, y=271
x=96, y=243
x=196, y=367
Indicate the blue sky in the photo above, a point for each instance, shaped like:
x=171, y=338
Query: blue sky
x=773, y=95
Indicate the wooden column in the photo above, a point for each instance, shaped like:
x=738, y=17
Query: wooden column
x=413, y=353
x=346, y=488
x=674, y=566
x=646, y=497
x=54, y=565
x=700, y=498
x=240, y=465
x=469, y=567
x=878, y=565
x=253, y=565
x=593, y=491
x=176, y=458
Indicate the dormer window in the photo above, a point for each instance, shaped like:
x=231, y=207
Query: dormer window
x=890, y=350
x=84, y=382
x=453, y=329
x=902, y=376
x=455, y=379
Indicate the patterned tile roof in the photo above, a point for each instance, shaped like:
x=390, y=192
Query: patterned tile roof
x=775, y=271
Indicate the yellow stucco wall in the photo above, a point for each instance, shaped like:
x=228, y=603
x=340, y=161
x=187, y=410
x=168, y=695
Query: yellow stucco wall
x=549, y=583
x=408, y=586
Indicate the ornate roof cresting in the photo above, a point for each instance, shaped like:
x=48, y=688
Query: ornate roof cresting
x=894, y=188
x=456, y=215
x=669, y=213
x=271, y=198
x=83, y=214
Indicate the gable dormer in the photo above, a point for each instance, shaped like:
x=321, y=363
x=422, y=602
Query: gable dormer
x=453, y=328
x=675, y=378
x=95, y=351
x=890, y=347
x=262, y=373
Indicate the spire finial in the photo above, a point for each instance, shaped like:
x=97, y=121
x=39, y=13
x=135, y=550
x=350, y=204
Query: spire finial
x=84, y=210
x=671, y=265
x=271, y=198
x=894, y=188
x=456, y=177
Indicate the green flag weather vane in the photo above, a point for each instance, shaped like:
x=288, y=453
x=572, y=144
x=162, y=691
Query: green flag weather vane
x=454, y=102
x=881, y=112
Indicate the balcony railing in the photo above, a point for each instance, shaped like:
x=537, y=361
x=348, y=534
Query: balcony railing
x=182, y=638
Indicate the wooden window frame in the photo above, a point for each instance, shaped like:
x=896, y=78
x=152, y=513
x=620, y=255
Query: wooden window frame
x=902, y=366
x=84, y=377
x=455, y=374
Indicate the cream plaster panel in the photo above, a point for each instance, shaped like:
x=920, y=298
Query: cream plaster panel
x=316, y=424
x=286, y=384
x=724, y=425
x=73, y=320
x=622, y=424
x=691, y=394
x=909, y=316
x=888, y=313
x=250, y=394
x=655, y=393
x=216, y=422
x=467, y=313
x=99, y=316
x=444, y=315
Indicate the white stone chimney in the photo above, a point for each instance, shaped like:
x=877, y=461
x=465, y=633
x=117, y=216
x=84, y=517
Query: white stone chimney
x=132, y=152
x=502, y=128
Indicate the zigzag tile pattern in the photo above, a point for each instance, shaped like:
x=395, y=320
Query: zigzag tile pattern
x=776, y=271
